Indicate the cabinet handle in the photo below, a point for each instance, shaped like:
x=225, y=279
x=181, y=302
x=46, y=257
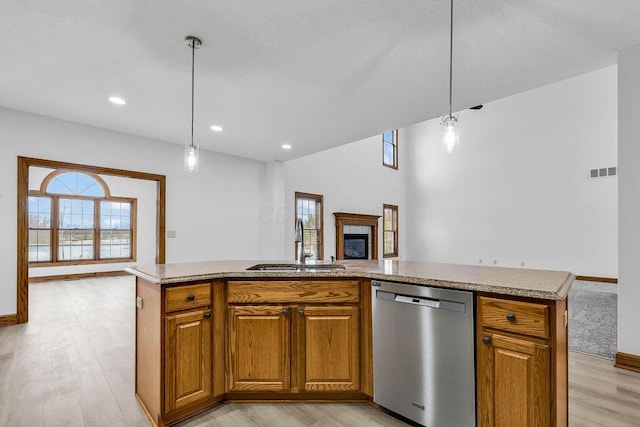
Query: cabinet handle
x=486, y=340
x=191, y=297
x=511, y=317
x=301, y=312
x=207, y=315
x=285, y=312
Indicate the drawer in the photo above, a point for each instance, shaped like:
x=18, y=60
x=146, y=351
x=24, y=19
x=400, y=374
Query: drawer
x=287, y=291
x=515, y=316
x=186, y=297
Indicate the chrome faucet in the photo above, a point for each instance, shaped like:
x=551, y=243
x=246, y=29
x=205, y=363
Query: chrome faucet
x=300, y=241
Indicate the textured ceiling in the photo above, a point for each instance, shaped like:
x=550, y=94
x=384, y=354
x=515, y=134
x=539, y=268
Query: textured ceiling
x=312, y=73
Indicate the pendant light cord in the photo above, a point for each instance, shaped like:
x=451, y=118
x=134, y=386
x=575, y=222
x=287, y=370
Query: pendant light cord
x=193, y=57
x=451, y=59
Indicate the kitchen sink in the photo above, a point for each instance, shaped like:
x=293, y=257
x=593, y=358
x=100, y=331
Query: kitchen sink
x=297, y=267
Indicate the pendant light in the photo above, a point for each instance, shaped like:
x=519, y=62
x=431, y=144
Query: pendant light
x=450, y=127
x=191, y=150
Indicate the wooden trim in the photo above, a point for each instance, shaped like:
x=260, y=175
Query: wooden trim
x=79, y=262
x=366, y=344
x=319, y=199
x=77, y=276
x=305, y=396
x=8, y=320
x=22, y=261
x=344, y=218
x=597, y=279
x=627, y=361
x=22, y=269
x=161, y=218
x=146, y=411
x=394, y=220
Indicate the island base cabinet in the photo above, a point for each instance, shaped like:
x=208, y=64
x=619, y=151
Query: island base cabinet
x=188, y=358
x=331, y=348
x=515, y=382
x=259, y=341
x=294, y=348
x=522, y=375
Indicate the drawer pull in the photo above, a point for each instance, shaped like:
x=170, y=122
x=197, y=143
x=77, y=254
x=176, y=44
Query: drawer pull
x=207, y=315
x=301, y=312
x=511, y=317
x=486, y=340
x=285, y=312
x=191, y=297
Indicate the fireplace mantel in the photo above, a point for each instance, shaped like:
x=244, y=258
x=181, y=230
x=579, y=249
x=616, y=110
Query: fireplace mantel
x=344, y=218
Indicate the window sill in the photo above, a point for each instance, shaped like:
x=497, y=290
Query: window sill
x=80, y=262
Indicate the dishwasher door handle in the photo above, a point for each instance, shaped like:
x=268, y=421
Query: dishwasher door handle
x=425, y=302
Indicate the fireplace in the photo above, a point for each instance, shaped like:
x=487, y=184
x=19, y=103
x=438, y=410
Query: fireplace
x=356, y=246
x=356, y=224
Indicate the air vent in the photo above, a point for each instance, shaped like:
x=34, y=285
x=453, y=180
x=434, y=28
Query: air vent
x=602, y=172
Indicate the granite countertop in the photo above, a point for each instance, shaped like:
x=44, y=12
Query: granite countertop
x=544, y=284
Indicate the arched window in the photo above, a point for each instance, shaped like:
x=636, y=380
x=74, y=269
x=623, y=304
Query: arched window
x=75, y=183
x=73, y=219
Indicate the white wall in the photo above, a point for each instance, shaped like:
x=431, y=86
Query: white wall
x=519, y=191
x=144, y=191
x=351, y=179
x=215, y=212
x=629, y=193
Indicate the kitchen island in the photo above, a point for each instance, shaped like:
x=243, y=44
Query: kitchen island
x=207, y=332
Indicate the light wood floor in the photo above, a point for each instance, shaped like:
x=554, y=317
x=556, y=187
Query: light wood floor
x=72, y=365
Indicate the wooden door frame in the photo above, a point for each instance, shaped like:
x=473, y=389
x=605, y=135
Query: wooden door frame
x=24, y=163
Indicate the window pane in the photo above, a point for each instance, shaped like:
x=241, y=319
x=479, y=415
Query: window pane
x=387, y=137
x=310, y=210
x=388, y=154
x=75, y=183
x=39, y=237
x=115, y=244
x=389, y=237
x=39, y=212
x=39, y=245
x=75, y=244
x=76, y=206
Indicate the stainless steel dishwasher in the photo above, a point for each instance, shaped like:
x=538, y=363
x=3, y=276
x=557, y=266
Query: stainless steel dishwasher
x=423, y=353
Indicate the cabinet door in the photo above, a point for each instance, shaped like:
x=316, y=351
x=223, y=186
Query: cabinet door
x=331, y=348
x=187, y=358
x=513, y=381
x=259, y=340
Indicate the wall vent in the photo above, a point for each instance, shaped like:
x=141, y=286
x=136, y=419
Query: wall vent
x=602, y=172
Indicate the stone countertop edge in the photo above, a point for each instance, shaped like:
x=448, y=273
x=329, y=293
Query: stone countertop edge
x=559, y=294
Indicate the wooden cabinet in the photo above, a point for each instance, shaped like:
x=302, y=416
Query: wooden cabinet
x=259, y=343
x=521, y=363
x=330, y=348
x=179, y=348
x=187, y=359
x=298, y=346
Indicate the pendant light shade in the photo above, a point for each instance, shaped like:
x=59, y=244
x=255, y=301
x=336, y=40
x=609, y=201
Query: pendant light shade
x=450, y=125
x=191, y=156
x=191, y=150
x=450, y=134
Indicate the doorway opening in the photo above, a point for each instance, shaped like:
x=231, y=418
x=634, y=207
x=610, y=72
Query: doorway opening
x=24, y=164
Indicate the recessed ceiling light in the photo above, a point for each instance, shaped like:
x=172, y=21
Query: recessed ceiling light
x=216, y=128
x=117, y=100
x=286, y=146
